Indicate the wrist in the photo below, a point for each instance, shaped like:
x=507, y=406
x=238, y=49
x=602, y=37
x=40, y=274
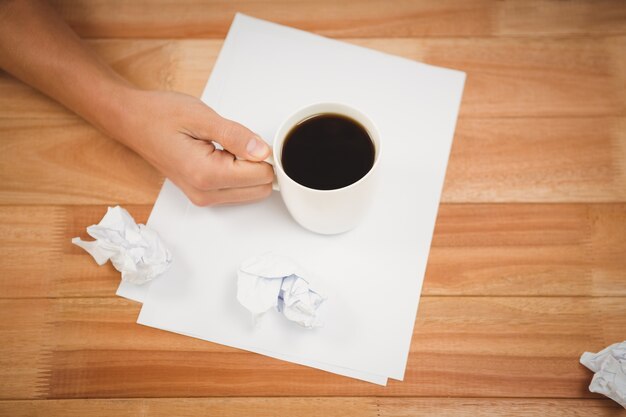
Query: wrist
x=113, y=111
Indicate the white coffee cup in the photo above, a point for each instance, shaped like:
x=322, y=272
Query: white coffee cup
x=326, y=211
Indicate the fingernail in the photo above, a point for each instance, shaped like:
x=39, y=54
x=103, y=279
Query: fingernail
x=257, y=148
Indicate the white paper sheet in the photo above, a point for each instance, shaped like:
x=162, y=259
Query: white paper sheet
x=374, y=273
x=161, y=220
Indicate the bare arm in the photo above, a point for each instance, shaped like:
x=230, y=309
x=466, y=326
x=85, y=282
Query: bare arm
x=173, y=131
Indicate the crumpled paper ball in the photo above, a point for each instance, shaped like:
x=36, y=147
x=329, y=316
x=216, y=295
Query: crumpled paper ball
x=609, y=366
x=274, y=281
x=134, y=250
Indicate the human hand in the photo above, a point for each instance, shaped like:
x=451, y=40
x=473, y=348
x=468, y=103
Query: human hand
x=175, y=133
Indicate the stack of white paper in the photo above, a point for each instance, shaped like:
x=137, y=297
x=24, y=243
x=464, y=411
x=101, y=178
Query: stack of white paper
x=372, y=276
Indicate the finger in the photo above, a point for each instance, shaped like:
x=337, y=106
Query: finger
x=237, y=139
x=230, y=195
x=211, y=169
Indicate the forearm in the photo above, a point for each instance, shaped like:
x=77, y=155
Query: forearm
x=175, y=132
x=37, y=47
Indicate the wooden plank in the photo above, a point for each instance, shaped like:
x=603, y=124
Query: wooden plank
x=462, y=347
x=485, y=249
x=478, y=407
x=66, y=161
x=25, y=341
x=537, y=160
x=305, y=407
x=510, y=77
x=39, y=259
x=365, y=18
x=528, y=250
x=70, y=162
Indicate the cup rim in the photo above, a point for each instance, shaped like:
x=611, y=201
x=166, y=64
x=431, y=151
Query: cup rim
x=377, y=144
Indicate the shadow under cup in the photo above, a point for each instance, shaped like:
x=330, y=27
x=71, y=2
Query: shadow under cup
x=326, y=158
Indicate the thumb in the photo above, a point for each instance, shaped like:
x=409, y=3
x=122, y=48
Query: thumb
x=235, y=138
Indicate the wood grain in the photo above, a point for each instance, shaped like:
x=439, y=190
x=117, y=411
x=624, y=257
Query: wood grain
x=24, y=337
x=547, y=160
x=510, y=77
x=306, y=407
x=70, y=162
x=365, y=18
x=462, y=347
x=492, y=249
x=484, y=249
x=409, y=407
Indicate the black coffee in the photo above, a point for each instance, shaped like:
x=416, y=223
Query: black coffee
x=327, y=151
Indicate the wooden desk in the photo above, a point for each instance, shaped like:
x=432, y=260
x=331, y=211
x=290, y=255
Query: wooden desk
x=527, y=268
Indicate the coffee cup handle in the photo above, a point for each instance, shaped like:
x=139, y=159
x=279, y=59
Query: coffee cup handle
x=270, y=160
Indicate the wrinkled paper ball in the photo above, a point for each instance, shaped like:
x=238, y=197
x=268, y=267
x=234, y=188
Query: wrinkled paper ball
x=274, y=281
x=609, y=366
x=134, y=250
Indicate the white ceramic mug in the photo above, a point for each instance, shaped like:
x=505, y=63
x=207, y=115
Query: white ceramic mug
x=326, y=211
